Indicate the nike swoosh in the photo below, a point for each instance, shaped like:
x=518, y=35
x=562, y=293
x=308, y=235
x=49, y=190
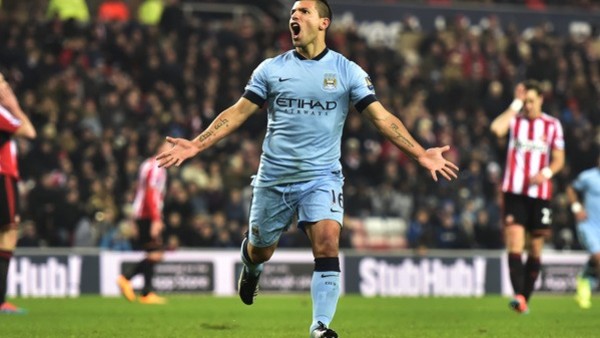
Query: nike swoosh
x=325, y=276
x=282, y=79
x=333, y=210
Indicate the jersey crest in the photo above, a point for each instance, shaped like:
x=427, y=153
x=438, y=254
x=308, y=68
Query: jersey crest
x=369, y=83
x=330, y=81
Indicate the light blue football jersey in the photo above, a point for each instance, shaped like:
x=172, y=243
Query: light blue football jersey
x=588, y=183
x=307, y=104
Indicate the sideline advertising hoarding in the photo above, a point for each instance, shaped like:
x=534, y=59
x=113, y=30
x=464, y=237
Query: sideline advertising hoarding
x=55, y=273
x=390, y=276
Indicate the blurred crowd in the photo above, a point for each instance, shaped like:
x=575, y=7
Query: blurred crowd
x=541, y=4
x=531, y=4
x=103, y=93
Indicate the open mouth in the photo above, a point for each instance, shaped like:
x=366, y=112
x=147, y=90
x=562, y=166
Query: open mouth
x=295, y=28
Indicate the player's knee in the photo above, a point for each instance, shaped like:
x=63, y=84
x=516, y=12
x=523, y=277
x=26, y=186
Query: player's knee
x=328, y=247
x=156, y=256
x=8, y=238
x=260, y=255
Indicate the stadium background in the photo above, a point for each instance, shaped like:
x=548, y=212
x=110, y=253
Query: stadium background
x=102, y=92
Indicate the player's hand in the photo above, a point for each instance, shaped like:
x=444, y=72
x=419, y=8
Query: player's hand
x=182, y=150
x=580, y=216
x=520, y=92
x=156, y=229
x=434, y=161
x=7, y=96
x=537, y=179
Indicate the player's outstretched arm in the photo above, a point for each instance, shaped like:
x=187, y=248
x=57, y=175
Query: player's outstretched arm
x=393, y=129
x=434, y=161
x=224, y=124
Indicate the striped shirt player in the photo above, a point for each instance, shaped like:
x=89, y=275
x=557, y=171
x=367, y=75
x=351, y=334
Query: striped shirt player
x=308, y=92
x=147, y=212
x=535, y=153
x=584, y=196
x=150, y=193
x=13, y=123
x=529, y=148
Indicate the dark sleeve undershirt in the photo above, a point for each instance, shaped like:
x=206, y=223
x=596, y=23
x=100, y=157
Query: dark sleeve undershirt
x=254, y=98
x=365, y=102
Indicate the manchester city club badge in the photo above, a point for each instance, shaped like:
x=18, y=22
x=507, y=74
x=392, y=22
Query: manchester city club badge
x=329, y=81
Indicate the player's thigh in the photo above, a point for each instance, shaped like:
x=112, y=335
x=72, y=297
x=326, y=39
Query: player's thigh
x=589, y=236
x=323, y=199
x=270, y=215
x=148, y=243
x=324, y=236
x=9, y=203
x=540, y=222
x=515, y=210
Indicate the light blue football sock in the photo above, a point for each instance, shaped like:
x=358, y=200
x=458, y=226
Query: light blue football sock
x=253, y=269
x=325, y=292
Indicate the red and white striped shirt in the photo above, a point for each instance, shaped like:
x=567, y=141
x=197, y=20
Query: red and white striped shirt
x=8, y=147
x=530, y=145
x=150, y=194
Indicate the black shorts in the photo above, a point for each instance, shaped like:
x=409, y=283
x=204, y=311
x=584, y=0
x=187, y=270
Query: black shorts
x=9, y=203
x=532, y=213
x=145, y=239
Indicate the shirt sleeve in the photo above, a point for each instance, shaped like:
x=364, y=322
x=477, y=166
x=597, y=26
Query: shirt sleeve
x=362, y=91
x=580, y=182
x=257, y=88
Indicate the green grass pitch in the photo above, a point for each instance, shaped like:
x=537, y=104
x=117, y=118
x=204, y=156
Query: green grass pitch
x=289, y=316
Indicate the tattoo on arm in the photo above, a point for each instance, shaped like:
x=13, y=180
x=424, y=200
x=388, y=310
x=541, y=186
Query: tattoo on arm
x=400, y=137
x=209, y=133
x=205, y=136
x=220, y=123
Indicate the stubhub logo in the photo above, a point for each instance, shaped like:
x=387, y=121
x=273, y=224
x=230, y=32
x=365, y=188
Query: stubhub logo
x=428, y=277
x=48, y=279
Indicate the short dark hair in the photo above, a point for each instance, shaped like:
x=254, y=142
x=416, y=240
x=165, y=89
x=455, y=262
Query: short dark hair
x=533, y=85
x=324, y=9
